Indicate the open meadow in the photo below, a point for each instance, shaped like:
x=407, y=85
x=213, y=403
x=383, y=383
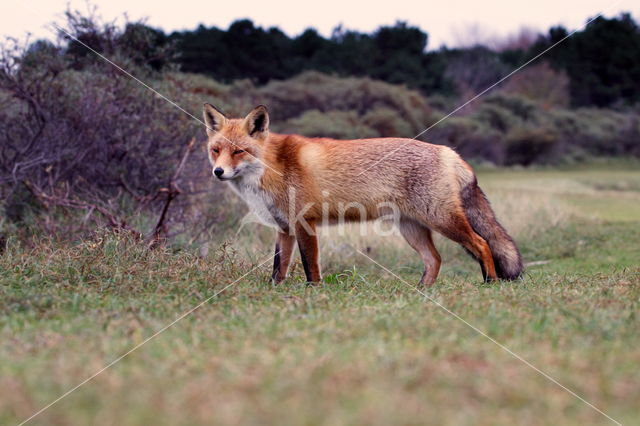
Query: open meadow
x=362, y=348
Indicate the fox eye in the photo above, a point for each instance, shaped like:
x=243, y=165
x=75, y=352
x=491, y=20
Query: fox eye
x=216, y=150
x=238, y=151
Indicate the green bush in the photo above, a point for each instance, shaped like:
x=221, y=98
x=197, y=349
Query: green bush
x=470, y=137
x=316, y=91
x=387, y=122
x=332, y=124
x=520, y=106
x=528, y=145
x=497, y=117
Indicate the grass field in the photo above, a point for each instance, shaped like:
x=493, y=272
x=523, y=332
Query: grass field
x=362, y=348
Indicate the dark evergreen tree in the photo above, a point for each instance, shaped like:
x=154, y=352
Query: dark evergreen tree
x=602, y=61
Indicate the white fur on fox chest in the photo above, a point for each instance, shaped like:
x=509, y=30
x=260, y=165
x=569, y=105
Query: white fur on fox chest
x=259, y=201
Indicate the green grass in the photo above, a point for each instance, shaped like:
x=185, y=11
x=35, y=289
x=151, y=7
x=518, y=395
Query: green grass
x=362, y=348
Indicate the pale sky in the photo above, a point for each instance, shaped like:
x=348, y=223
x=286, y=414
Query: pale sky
x=447, y=22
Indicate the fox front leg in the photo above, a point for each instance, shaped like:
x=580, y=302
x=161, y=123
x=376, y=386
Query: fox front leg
x=282, y=257
x=309, y=252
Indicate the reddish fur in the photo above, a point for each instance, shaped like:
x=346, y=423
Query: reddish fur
x=424, y=181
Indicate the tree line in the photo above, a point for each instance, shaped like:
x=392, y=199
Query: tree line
x=602, y=61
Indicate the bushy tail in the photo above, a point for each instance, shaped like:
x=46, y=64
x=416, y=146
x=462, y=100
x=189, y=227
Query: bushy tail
x=506, y=255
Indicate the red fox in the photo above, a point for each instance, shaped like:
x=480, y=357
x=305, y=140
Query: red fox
x=296, y=183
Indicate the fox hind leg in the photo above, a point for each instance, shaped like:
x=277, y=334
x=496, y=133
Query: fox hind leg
x=480, y=249
x=419, y=238
x=460, y=231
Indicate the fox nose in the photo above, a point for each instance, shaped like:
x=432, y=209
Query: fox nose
x=219, y=171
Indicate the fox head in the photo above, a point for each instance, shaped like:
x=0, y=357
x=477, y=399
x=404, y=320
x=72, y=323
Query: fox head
x=235, y=145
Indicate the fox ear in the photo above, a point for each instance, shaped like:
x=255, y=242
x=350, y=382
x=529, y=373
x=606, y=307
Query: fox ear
x=214, y=119
x=257, y=122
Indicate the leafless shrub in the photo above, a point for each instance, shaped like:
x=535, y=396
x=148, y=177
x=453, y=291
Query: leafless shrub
x=541, y=83
x=473, y=35
x=474, y=69
x=522, y=39
x=90, y=139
